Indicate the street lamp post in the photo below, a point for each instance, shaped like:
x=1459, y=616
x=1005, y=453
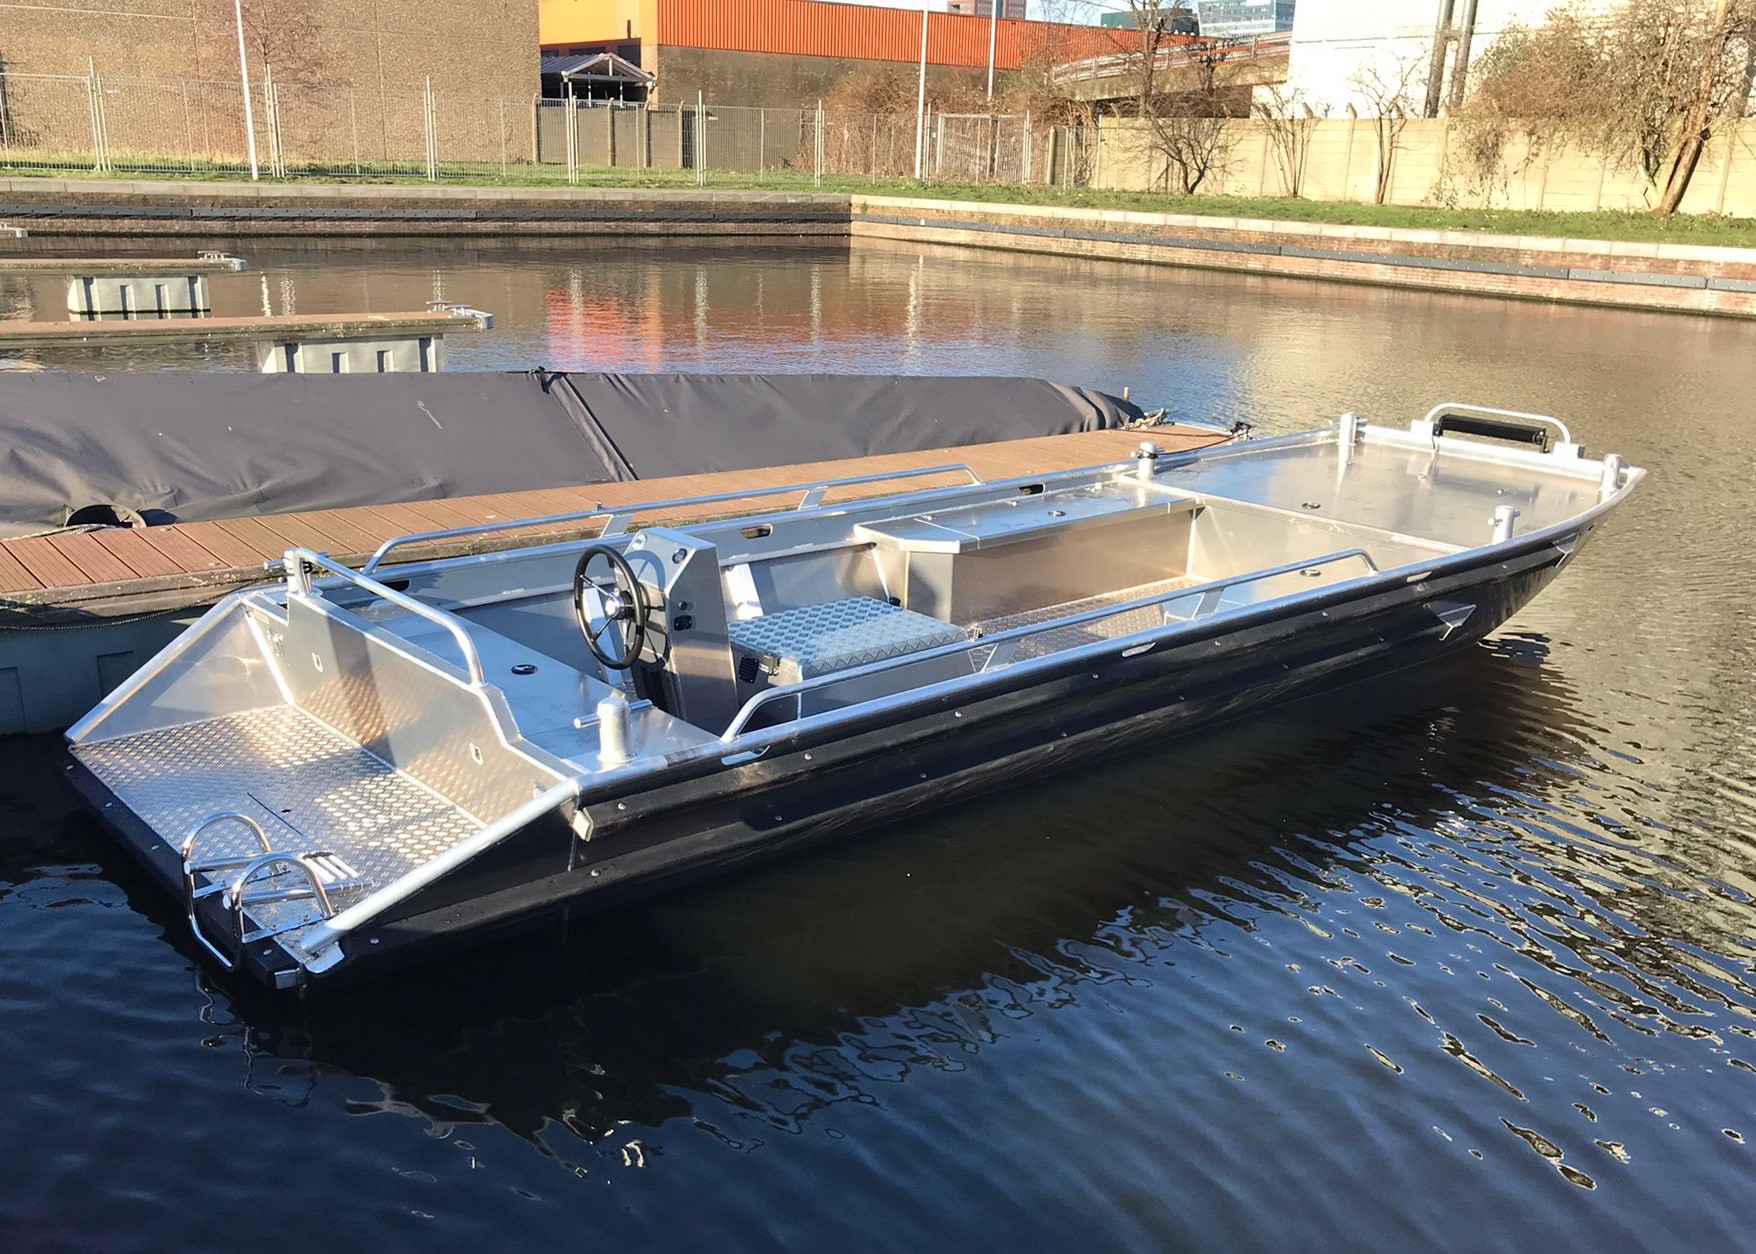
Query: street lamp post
x=921, y=98
x=993, y=30
x=244, y=76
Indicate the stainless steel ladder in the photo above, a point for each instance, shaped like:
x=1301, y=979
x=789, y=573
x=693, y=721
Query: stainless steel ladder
x=258, y=879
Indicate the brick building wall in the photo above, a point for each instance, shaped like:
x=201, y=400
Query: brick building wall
x=490, y=45
x=350, y=74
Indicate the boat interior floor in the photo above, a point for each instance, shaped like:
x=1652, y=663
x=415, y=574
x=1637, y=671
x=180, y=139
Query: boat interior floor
x=1109, y=628
x=305, y=786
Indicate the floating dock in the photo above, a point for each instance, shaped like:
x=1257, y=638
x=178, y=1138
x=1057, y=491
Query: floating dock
x=206, y=263
x=293, y=343
x=278, y=327
x=80, y=611
x=135, y=287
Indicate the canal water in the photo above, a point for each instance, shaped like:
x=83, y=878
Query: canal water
x=1461, y=959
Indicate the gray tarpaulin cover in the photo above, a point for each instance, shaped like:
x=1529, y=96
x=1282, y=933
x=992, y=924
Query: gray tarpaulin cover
x=164, y=447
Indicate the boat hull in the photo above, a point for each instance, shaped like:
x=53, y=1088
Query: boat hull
x=716, y=818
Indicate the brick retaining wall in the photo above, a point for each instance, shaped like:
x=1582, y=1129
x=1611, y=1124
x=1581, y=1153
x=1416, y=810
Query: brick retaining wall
x=1647, y=276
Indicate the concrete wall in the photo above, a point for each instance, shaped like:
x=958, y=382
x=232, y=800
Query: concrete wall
x=1669, y=277
x=1342, y=165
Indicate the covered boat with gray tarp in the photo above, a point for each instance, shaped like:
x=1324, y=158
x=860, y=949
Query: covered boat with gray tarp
x=147, y=449
x=348, y=766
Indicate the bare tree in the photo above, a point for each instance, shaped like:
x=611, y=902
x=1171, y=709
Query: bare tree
x=1645, y=86
x=1189, y=129
x=1389, y=92
x=1290, y=122
x=279, y=35
x=1050, y=98
x=1154, y=21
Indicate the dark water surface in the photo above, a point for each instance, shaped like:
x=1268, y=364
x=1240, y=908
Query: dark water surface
x=1461, y=959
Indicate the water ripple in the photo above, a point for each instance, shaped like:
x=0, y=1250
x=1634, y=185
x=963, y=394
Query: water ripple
x=1466, y=952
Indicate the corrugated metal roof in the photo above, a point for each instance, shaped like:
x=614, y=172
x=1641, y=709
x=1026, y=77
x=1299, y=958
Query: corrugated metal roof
x=863, y=32
x=560, y=65
x=602, y=65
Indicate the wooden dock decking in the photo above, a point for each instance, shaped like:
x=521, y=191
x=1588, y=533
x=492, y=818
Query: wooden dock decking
x=88, y=576
x=275, y=328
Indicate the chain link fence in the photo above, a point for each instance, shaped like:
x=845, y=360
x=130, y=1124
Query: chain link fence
x=190, y=126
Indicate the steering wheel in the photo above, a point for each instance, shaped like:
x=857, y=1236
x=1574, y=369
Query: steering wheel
x=619, y=638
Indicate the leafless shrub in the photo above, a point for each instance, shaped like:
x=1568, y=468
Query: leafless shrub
x=1644, y=86
x=1188, y=131
x=279, y=35
x=1290, y=122
x=1389, y=92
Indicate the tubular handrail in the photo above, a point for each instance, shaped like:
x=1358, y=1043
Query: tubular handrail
x=292, y=860
x=1209, y=593
x=1461, y=407
x=299, y=580
x=617, y=516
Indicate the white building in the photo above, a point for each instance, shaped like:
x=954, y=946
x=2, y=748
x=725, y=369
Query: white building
x=1336, y=43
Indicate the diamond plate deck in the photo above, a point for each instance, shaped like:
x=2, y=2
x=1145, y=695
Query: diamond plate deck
x=309, y=787
x=822, y=639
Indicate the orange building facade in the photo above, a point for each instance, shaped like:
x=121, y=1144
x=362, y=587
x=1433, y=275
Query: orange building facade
x=756, y=49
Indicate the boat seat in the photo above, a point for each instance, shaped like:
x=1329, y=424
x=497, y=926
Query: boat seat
x=792, y=645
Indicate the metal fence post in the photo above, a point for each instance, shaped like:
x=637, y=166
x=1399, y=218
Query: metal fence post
x=354, y=128
x=700, y=139
x=502, y=139
x=429, y=120
x=817, y=170
x=188, y=127
x=94, y=98
x=277, y=157
x=571, y=114
x=268, y=122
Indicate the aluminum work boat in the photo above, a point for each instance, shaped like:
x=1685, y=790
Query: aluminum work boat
x=348, y=767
